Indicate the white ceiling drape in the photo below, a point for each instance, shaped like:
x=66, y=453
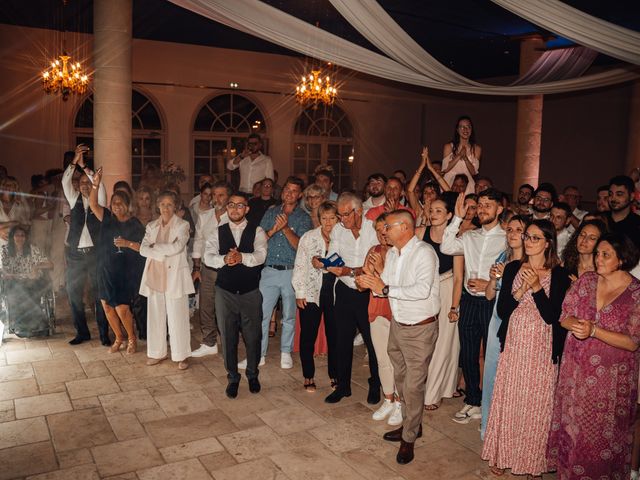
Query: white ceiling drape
x=415, y=66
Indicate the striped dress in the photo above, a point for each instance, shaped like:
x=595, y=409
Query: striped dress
x=522, y=405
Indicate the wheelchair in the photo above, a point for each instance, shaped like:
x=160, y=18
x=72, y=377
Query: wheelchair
x=36, y=307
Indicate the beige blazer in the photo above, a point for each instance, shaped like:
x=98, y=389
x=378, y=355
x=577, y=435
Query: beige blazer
x=173, y=254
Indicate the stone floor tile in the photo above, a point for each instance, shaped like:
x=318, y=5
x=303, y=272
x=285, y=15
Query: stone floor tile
x=95, y=369
x=21, y=432
x=151, y=415
x=245, y=404
x=73, y=458
x=27, y=460
x=261, y=469
x=57, y=371
x=126, y=426
x=144, y=382
x=305, y=462
x=86, y=355
x=47, y=388
x=7, y=416
x=187, y=428
x=26, y=356
x=83, y=472
x=127, y=456
x=247, y=421
x=18, y=388
x=197, y=448
x=291, y=419
x=367, y=465
x=185, y=470
x=344, y=435
x=196, y=377
x=80, y=429
x=86, y=402
x=127, y=402
x=217, y=461
x=91, y=387
x=16, y=372
x=252, y=444
x=184, y=403
x=42, y=405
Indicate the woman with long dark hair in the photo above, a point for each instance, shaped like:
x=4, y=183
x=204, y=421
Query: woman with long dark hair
x=577, y=256
x=531, y=337
x=462, y=154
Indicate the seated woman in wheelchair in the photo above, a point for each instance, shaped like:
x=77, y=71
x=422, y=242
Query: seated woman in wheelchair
x=24, y=283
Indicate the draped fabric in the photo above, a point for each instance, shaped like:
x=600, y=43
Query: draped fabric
x=414, y=67
x=558, y=64
x=568, y=22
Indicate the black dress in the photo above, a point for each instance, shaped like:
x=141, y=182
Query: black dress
x=118, y=273
x=445, y=261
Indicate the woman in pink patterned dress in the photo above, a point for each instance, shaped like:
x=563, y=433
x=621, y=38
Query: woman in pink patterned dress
x=530, y=304
x=595, y=402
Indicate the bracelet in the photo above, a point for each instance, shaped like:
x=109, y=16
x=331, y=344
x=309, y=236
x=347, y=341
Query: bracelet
x=94, y=187
x=455, y=309
x=593, y=330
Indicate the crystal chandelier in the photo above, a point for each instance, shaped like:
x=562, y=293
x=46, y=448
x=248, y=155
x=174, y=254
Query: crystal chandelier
x=64, y=77
x=315, y=89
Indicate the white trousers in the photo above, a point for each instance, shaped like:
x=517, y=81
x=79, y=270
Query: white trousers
x=380, y=328
x=174, y=312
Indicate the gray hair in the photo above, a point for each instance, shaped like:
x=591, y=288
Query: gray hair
x=314, y=189
x=348, y=197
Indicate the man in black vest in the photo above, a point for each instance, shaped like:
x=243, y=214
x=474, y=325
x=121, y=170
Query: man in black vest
x=80, y=252
x=238, y=249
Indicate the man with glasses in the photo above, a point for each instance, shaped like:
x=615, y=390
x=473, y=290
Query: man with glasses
x=260, y=204
x=480, y=248
x=410, y=279
x=376, y=184
x=207, y=224
x=284, y=225
x=351, y=239
x=237, y=249
x=543, y=199
x=254, y=165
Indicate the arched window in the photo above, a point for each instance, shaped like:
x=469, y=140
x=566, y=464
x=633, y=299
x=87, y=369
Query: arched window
x=220, y=131
x=324, y=136
x=147, y=132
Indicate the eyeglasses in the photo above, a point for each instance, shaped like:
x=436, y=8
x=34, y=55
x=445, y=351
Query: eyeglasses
x=344, y=215
x=542, y=199
x=531, y=238
x=387, y=226
x=239, y=206
x=253, y=143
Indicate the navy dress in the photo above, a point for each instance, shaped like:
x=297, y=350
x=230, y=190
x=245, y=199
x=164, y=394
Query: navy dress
x=118, y=273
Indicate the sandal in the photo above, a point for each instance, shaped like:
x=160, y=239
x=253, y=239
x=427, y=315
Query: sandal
x=460, y=392
x=431, y=408
x=334, y=383
x=498, y=472
x=311, y=386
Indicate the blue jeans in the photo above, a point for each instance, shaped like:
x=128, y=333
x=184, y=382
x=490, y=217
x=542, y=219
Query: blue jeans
x=273, y=285
x=491, y=355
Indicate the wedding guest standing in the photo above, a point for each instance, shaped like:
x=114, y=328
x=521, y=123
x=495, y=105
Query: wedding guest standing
x=253, y=164
x=595, y=400
x=166, y=282
x=531, y=338
x=462, y=154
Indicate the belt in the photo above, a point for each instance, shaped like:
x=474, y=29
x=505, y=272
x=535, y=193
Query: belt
x=85, y=250
x=281, y=267
x=426, y=321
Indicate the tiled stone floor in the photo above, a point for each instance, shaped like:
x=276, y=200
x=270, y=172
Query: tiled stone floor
x=81, y=413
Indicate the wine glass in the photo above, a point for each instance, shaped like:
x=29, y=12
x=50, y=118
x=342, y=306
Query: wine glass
x=119, y=250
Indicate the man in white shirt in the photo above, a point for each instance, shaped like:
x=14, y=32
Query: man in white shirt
x=480, y=248
x=375, y=189
x=351, y=239
x=206, y=228
x=571, y=195
x=238, y=249
x=254, y=165
x=560, y=217
x=410, y=279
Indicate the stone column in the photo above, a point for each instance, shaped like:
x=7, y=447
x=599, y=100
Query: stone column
x=112, y=20
x=633, y=142
x=529, y=120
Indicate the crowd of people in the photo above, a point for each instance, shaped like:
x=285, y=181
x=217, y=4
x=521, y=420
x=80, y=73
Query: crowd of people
x=528, y=309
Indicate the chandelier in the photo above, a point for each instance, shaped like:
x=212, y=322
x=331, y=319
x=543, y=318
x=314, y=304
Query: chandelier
x=64, y=77
x=314, y=90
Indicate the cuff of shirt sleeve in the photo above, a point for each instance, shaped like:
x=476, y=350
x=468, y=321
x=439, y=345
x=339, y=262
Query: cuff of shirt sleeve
x=456, y=221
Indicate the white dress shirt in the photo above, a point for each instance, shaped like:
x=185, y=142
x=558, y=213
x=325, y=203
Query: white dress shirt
x=252, y=171
x=562, y=238
x=213, y=259
x=72, y=196
x=480, y=248
x=353, y=250
x=413, y=280
x=206, y=226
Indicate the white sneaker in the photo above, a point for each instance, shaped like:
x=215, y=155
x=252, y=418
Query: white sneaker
x=286, y=361
x=243, y=364
x=396, y=416
x=468, y=413
x=204, y=350
x=357, y=341
x=385, y=409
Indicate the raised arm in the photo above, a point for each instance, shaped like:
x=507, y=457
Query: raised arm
x=411, y=194
x=95, y=206
x=451, y=243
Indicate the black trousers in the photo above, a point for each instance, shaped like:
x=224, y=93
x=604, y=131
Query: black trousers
x=81, y=266
x=139, y=310
x=473, y=328
x=351, y=313
x=240, y=312
x=310, y=317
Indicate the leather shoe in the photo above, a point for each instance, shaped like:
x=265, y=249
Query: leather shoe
x=254, y=385
x=336, y=396
x=373, y=398
x=405, y=454
x=396, y=435
x=78, y=340
x=232, y=389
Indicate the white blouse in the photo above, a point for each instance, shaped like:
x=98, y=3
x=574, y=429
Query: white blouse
x=307, y=280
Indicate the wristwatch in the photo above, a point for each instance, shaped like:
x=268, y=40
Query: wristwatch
x=385, y=290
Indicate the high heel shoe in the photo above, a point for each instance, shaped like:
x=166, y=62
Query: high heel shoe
x=116, y=346
x=132, y=346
